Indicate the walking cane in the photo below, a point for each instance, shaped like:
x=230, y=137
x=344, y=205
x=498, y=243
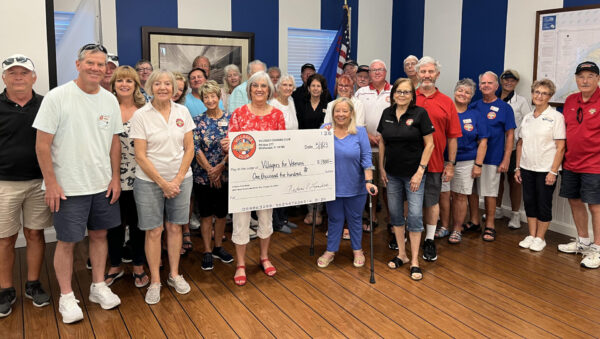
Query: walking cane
x=372, y=280
x=312, y=237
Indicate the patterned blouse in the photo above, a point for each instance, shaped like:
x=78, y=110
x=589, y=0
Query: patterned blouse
x=127, y=158
x=244, y=120
x=207, y=139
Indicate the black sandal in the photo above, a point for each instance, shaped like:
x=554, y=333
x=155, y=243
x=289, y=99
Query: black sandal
x=414, y=270
x=470, y=227
x=490, y=232
x=187, y=246
x=113, y=277
x=397, y=263
x=140, y=277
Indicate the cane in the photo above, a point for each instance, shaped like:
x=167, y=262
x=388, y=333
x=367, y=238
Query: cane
x=312, y=237
x=372, y=280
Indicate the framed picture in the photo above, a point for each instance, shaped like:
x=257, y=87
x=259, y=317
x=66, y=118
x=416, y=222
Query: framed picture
x=175, y=49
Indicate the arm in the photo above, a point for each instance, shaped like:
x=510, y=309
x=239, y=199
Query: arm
x=140, y=147
x=114, y=187
x=188, y=155
x=381, y=166
x=481, y=150
x=508, y=144
x=54, y=193
x=558, y=158
x=518, y=161
x=449, y=168
x=415, y=181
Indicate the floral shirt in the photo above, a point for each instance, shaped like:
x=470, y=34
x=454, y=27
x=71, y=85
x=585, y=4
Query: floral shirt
x=244, y=120
x=207, y=140
x=127, y=158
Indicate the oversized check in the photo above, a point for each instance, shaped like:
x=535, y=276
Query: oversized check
x=280, y=168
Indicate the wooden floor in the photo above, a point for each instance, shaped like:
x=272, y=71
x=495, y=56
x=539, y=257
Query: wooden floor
x=475, y=289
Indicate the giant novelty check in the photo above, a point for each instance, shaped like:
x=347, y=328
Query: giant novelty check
x=280, y=168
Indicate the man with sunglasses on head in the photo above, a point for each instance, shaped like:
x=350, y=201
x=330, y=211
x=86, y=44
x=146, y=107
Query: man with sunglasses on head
x=581, y=167
x=113, y=63
x=20, y=182
x=79, y=153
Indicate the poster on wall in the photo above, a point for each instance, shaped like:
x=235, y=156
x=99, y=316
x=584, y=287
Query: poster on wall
x=564, y=38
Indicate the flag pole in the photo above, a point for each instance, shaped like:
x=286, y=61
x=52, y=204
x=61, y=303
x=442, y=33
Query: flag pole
x=349, y=10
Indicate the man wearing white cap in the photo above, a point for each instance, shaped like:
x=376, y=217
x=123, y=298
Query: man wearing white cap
x=20, y=182
x=111, y=65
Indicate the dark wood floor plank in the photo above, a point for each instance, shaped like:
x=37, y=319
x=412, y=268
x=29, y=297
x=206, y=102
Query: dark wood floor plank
x=39, y=322
x=12, y=325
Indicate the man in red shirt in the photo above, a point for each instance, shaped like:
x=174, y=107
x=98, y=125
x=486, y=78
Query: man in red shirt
x=581, y=167
x=444, y=117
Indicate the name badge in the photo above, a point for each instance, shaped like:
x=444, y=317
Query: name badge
x=494, y=108
x=390, y=121
x=222, y=124
x=467, y=121
x=547, y=119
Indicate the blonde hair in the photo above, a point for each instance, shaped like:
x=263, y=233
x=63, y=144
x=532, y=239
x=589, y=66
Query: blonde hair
x=352, y=125
x=155, y=75
x=127, y=72
x=210, y=86
x=179, y=76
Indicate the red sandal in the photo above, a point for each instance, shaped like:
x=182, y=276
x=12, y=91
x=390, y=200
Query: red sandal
x=241, y=279
x=270, y=271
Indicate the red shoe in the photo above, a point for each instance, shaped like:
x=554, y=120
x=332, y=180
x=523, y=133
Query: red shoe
x=270, y=271
x=241, y=279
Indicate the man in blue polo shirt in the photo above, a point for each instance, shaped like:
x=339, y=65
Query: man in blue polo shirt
x=500, y=120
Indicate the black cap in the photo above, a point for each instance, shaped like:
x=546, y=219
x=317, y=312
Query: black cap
x=363, y=68
x=587, y=66
x=350, y=62
x=305, y=66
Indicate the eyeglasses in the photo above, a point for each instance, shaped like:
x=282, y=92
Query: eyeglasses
x=579, y=115
x=376, y=70
x=11, y=61
x=344, y=86
x=90, y=47
x=404, y=93
x=538, y=93
x=144, y=69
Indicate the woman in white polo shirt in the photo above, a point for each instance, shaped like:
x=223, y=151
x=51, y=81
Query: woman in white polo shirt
x=164, y=148
x=540, y=152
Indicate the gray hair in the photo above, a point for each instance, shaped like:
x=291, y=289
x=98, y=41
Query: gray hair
x=285, y=77
x=428, y=60
x=255, y=62
x=226, y=70
x=410, y=57
x=489, y=73
x=256, y=77
x=377, y=60
x=155, y=75
x=96, y=49
x=545, y=83
x=274, y=68
x=466, y=82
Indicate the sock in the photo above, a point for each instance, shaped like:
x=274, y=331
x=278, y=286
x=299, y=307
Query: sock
x=515, y=213
x=71, y=294
x=585, y=241
x=430, y=232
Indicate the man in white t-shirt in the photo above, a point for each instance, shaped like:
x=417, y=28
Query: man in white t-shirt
x=79, y=152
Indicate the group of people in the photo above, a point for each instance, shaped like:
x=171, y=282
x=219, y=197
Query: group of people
x=132, y=147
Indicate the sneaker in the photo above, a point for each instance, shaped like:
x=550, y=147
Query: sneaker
x=153, y=294
x=515, y=221
x=207, y=263
x=101, y=294
x=538, y=244
x=393, y=245
x=253, y=234
x=429, y=251
x=290, y=224
x=220, y=253
x=283, y=229
x=68, y=308
x=181, y=286
x=574, y=247
x=35, y=292
x=194, y=222
x=126, y=256
x=253, y=222
x=526, y=243
x=88, y=264
x=8, y=296
x=591, y=259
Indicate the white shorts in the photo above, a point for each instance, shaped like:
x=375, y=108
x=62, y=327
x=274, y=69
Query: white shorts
x=462, y=182
x=241, y=226
x=446, y=185
x=489, y=181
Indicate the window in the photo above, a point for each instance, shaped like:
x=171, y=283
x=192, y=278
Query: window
x=307, y=46
x=62, y=20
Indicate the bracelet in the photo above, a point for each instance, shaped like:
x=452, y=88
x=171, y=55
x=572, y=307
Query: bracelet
x=517, y=169
x=370, y=181
x=556, y=174
x=478, y=165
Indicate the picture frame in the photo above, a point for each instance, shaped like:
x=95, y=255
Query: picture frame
x=175, y=49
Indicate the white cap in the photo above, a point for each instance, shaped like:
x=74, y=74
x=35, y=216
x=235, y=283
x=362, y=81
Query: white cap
x=113, y=59
x=17, y=60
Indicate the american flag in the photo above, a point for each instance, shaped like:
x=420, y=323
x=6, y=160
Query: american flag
x=338, y=53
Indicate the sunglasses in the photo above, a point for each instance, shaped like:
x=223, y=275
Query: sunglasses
x=113, y=58
x=89, y=47
x=579, y=115
x=11, y=61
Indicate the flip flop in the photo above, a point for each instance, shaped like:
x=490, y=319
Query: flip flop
x=113, y=277
x=140, y=277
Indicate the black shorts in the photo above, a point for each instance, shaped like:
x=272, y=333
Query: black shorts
x=584, y=186
x=513, y=164
x=78, y=213
x=433, y=188
x=211, y=201
x=537, y=196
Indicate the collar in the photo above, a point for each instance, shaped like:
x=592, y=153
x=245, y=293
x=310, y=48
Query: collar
x=595, y=97
x=431, y=96
x=386, y=87
x=4, y=98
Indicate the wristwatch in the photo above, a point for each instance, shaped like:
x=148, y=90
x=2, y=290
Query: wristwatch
x=370, y=181
x=452, y=162
x=478, y=165
x=423, y=167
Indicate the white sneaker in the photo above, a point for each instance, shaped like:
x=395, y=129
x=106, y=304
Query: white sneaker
x=515, y=221
x=526, y=243
x=574, y=247
x=252, y=233
x=253, y=222
x=153, y=294
x=538, y=244
x=180, y=285
x=591, y=259
x=102, y=295
x=194, y=222
x=68, y=308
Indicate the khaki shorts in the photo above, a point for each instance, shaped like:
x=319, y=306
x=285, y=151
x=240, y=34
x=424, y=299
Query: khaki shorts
x=489, y=181
x=22, y=198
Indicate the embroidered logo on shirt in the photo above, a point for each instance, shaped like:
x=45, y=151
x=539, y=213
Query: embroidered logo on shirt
x=243, y=146
x=409, y=122
x=592, y=111
x=103, y=120
x=491, y=115
x=179, y=122
x=468, y=127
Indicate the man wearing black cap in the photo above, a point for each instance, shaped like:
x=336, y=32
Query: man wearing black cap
x=362, y=76
x=581, y=167
x=301, y=93
x=350, y=67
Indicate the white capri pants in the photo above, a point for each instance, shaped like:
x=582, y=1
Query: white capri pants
x=241, y=226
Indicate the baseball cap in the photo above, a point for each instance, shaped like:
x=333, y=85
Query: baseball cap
x=305, y=66
x=17, y=60
x=113, y=58
x=349, y=62
x=510, y=74
x=587, y=66
x=363, y=68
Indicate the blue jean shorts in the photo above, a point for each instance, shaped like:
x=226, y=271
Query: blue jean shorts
x=78, y=213
x=153, y=207
x=396, y=187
